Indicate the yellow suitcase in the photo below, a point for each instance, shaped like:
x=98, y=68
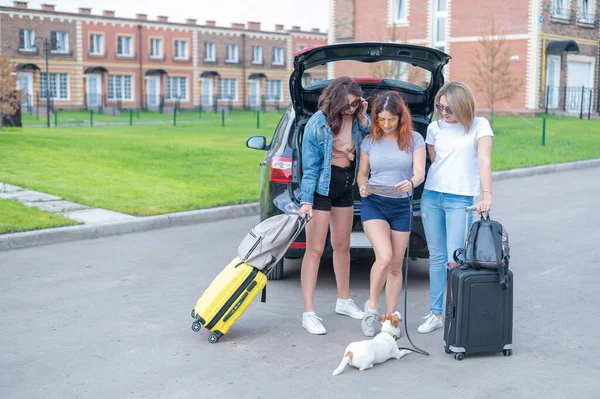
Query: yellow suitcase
x=227, y=298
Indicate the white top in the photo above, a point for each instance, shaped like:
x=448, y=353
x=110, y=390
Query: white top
x=455, y=170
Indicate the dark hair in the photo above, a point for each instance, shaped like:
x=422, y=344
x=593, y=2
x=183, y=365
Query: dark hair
x=392, y=102
x=333, y=101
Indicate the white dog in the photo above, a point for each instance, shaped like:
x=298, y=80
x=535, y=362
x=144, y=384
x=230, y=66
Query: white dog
x=364, y=354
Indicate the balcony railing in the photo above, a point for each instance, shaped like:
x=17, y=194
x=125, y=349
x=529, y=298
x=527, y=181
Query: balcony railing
x=564, y=14
x=586, y=18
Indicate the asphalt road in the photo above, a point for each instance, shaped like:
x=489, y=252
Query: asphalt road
x=110, y=317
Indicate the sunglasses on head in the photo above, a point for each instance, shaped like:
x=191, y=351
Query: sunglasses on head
x=390, y=122
x=353, y=104
x=441, y=108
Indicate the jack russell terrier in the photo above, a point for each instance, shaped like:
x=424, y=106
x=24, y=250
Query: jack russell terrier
x=364, y=354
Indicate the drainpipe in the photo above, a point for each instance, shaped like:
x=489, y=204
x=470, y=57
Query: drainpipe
x=141, y=66
x=244, y=83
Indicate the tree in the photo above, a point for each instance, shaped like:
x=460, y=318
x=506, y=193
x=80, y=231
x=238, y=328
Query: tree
x=492, y=73
x=10, y=97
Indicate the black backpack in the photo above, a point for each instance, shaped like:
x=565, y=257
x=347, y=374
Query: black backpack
x=486, y=247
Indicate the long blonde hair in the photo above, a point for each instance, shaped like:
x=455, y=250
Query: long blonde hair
x=461, y=101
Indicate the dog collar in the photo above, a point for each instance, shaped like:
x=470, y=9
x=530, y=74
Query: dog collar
x=391, y=335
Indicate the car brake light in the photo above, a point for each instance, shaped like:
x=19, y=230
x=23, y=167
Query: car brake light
x=281, y=170
x=298, y=245
x=367, y=80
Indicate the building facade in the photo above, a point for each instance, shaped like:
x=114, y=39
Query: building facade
x=103, y=60
x=554, y=44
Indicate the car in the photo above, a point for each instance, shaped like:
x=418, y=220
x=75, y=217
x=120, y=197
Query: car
x=416, y=72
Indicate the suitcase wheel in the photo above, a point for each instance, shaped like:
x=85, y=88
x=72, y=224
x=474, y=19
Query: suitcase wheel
x=193, y=314
x=196, y=326
x=507, y=352
x=459, y=356
x=447, y=350
x=213, y=338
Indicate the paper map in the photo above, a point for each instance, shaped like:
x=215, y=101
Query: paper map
x=388, y=191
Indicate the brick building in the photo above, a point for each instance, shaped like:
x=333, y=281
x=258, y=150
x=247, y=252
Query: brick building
x=103, y=60
x=554, y=44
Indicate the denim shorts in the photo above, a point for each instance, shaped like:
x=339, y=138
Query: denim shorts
x=395, y=211
x=341, y=192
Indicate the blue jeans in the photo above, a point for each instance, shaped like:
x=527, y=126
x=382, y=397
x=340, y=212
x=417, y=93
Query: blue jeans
x=443, y=218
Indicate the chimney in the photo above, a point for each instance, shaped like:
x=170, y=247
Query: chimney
x=162, y=18
x=190, y=21
x=47, y=7
x=278, y=27
x=315, y=30
x=86, y=11
x=295, y=27
x=253, y=25
x=141, y=17
x=211, y=23
x=20, y=4
x=108, y=13
x=236, y=25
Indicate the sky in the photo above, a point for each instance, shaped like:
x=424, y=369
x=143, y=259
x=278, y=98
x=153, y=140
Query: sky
x=307, y=14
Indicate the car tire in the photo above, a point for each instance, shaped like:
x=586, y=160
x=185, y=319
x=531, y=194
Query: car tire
x=276, y=273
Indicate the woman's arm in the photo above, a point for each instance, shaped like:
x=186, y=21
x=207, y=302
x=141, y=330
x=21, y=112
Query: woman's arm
x=418, y=166
x=484, y=161
x=363, y=174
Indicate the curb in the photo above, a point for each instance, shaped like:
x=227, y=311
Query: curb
x=72, y=233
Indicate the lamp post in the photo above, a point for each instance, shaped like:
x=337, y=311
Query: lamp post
x=46, y=47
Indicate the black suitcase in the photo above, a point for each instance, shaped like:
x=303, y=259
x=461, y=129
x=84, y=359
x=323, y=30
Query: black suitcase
x=479, y=312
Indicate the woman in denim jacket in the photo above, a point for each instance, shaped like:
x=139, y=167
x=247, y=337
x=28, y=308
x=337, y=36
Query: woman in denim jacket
x=330, y=144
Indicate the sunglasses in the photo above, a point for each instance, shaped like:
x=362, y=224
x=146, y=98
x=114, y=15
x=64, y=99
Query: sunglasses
x=441, y=108
x=390, y=122
x=353, y=104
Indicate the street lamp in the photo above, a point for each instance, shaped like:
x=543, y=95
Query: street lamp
x=46, y=46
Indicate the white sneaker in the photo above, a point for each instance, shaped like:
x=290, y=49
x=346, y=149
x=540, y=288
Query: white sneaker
x=312, y=323
x=347, y=307
x=368, y=321
x=431, y=323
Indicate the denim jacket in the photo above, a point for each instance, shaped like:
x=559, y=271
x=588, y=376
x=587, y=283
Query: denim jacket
x=316, y=155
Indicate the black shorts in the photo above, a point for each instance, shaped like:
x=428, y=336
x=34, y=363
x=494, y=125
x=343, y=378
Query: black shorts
x=341, y=190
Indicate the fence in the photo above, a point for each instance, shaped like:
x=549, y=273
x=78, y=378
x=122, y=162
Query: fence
x=575, y=99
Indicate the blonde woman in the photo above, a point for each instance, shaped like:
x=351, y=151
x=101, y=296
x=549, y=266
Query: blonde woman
x=460, y=148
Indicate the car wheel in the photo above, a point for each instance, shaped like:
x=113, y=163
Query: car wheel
x=276, y=273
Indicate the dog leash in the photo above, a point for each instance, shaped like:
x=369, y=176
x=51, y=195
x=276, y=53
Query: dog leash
x=410, y=205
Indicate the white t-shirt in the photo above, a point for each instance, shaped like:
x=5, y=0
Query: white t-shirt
x=455, y=170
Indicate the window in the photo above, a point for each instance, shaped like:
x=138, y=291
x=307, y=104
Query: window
x=586, y=12
x=257, y=55
x=59, y=42
x=120, y=87
x=155, y=48
x=96, y=44
x=125, y=46
x=400, y=10
x=277, y=56
x=439, y=25
x=273, y=90
x=228, y=89
x=232, y=53
x=176, y=88
x=209, y=52
x=560, y=9
x=59, y=86
x=300, y=47
x=26, y=40
x=181, y=50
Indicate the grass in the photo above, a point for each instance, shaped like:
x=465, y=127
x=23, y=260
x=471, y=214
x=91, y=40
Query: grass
x=16, y=217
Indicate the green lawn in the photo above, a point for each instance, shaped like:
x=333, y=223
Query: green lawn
x=154, y=169
x=15, y=217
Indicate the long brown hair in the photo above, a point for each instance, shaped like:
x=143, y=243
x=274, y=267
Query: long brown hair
x=333, y=101
x=461, y=101
x=392, y=102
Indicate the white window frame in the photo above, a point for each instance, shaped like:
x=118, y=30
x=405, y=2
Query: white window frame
x=28, y=45
x=159, y=48
x=99, y=43
x=232, y=53
x=178, y=46
x=399, y=11
x=130, y=47
x=210, y=52
x=563, y=6
x=257, y=54
x=178, y=85
x=278, y=60
x=232, y=83
x=112, y=96
x=437, y=16
x=589, y=11
x=56, y=76
x=65, y=39
x=269, y=83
